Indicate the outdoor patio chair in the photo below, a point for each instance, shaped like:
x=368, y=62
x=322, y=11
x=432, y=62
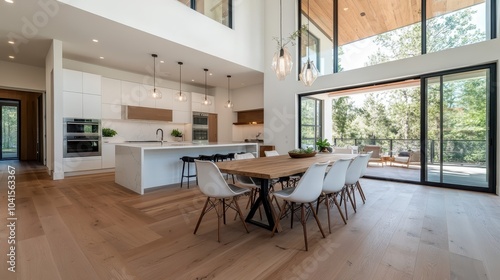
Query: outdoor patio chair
x=407, y=158
x=376, y=157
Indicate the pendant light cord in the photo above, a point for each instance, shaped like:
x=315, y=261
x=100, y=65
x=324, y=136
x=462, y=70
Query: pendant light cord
x=206, y=70
x=228, y=78
x=308, y=32
x=180, y=78
x=154, y=71
x=281, y=24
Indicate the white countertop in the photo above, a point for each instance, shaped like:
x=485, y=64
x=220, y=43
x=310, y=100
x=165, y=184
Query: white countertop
x=177, y=145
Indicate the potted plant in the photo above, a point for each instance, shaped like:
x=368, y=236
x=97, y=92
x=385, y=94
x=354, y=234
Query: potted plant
x=324, y=146
x=177, y=134
x=108, y=133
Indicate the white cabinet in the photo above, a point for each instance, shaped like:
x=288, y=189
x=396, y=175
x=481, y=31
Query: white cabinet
x=181, y=105
x=72, y=104
x=72, y=80
x=147, y=100
x=91, y=83
x=81, y=163
x=111, y=111
x=81, y=95
x=181, y=116
x=108, y=155
x=197, y=103
x=165, y=102
x=91, y=106
x=132, y=93
x=111, y=91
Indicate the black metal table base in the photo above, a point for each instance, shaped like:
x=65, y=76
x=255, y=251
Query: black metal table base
x=264, y=200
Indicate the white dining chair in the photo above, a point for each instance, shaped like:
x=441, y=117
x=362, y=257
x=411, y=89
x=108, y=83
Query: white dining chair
x=253, y=184
x=333, y=186
x=352, y=176
x=363, y=172
x=289, y=180
x=308, y=190
x=218, y=192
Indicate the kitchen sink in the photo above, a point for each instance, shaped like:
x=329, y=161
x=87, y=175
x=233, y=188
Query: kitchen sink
x=143, y=141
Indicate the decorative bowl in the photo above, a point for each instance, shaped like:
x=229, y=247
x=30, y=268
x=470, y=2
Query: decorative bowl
x=301, y=155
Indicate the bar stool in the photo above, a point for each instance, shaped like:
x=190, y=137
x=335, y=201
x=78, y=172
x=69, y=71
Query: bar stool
x=187, y=160
x=207, y=157
x=223, y=157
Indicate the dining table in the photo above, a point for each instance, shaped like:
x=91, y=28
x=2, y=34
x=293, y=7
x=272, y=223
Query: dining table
x=269, y=168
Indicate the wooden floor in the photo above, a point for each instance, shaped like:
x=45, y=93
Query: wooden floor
x=87, y=227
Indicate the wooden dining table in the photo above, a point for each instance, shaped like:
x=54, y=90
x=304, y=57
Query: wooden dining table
x=268, y=168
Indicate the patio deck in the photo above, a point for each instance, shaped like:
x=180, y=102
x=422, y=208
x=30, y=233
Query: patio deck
x=460, y=175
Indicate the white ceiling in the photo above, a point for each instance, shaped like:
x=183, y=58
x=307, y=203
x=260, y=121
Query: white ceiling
x=122, y=47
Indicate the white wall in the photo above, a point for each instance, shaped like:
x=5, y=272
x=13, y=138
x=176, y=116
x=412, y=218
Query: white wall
x=54, y=110
x=21, y=77
x=176, y=22
x=248, y=98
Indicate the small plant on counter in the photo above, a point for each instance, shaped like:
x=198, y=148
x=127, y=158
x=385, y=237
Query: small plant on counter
x=108, y=132
x=176, y=133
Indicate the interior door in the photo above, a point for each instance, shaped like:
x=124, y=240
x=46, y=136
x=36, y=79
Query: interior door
x=10, y=129
x=459, y=131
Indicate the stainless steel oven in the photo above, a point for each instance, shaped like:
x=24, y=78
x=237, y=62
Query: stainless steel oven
x=81, y=137
x=200, y=127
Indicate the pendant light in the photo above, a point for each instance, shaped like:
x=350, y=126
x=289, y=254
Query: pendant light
x=181, y=96
x=206, y=101
x=309, y=72
x=155, y=93
x=282, y=60
x=229, y=104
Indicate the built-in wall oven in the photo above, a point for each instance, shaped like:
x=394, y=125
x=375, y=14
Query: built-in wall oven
x=81, y=137
x=200, y=127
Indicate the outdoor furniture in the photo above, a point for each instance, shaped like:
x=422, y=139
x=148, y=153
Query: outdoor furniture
x=376, y=156
x=407, y=158
x=343, y=150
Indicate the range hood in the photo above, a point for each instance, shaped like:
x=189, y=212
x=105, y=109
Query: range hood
x=250, y=117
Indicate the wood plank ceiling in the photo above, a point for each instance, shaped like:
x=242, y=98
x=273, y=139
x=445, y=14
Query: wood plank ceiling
x=359, y=19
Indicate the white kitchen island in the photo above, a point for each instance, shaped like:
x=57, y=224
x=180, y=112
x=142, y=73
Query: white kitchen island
x=140, y=166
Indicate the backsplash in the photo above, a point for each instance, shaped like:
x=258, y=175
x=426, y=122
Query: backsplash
x=144, y=130
x=242, y=132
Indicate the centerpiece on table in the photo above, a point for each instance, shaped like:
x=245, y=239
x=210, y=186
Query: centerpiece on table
x=177, y=134
x=302, y=153
x=324, y=146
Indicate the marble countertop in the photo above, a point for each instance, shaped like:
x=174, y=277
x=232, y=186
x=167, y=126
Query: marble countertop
x=178, y=145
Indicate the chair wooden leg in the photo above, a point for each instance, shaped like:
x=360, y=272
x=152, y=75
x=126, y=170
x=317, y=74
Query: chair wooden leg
x=317, y=220
x=353, y=197
x=237, y=206
x=291, y=219
x=201, y=215
x=327, y=203
x=224, y=209
x=219, y=218
x=361, y=192
x=303, y=222
x=340, y=210
x=278, y=218
x=343, y=194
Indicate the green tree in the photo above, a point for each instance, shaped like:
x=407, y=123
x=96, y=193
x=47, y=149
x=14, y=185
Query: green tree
x=343, y=114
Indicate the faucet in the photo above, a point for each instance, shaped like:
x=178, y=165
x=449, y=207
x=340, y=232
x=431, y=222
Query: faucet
x=161, y=138
x=257, y=136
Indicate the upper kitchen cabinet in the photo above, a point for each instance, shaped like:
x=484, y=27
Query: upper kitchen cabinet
x=132, y=93
x=181, y=105
x=250, y=117
x=111, y=91
x=91, y=83
x=165, y=102
x=197, y=100
x=72, y=80
x=81, y=95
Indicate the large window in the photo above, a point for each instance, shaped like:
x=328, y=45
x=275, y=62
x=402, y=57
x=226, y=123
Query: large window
x=311, y=121
x=371, y=32
x=218, y=10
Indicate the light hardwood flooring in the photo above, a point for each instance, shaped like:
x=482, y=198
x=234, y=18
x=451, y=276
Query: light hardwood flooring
x=88, y=227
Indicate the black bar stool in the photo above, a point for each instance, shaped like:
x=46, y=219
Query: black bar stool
x=223, y=157
x=187, y=160
x=206, y=157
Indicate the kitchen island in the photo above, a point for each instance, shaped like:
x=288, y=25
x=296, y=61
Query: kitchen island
x=140, y=166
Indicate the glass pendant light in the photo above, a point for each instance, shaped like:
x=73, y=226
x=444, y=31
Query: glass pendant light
x=155, y=93
x=180, y=96
x=206, y=101
x=229, y=104
x=282, y=60
x=309, y=72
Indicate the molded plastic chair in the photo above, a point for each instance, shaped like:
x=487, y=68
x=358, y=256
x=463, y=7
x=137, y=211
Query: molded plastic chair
x=213, y=185
x=333, y=185
x=289, y=180
x=363, y=172
x=253, y=184
x=352, y=177
x=308, y=189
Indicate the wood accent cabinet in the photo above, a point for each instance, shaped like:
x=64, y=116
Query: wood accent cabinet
x=212, y=128
x=144, y=113
x=251, y=117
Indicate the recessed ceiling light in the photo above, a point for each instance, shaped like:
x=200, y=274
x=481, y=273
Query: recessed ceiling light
x=101, y=57
x=192, y=80
x=161, y=61
x=11, y=42
x=11, y=57
x=9, y=1
x=210, y=74
x=345, y=9
x=95, y=40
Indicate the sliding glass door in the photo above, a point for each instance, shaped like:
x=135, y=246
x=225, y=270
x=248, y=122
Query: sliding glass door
x=459, y=126
x=10, y=129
